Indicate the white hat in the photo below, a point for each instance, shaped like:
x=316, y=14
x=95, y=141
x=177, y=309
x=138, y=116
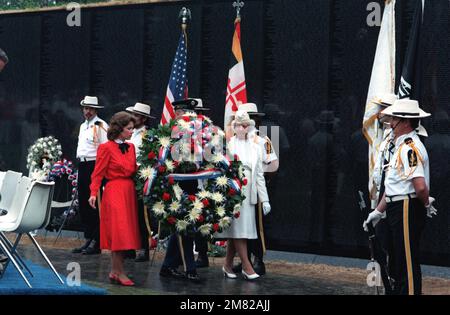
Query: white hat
x=140, y=109
x=386, y=99
x=405, y=108
x=242, y=117
x=250, y=108
x=199, y=106
x=91, y=101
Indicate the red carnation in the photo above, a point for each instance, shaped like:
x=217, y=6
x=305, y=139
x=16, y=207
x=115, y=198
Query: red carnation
x=236, y=157
x=205, y=202
x=186, y=119
x=237, y=214
x=171, y=181
x=151, y=155
x=245, y=181
x=191, y=198
x=171, y=220
x=162, y=169
x=200, y=116
x=166, y=196
x=232, y=192
x=175, y=163
x=201, y=219
x=216, y=227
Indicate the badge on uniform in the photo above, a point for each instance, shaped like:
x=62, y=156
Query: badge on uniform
x=412, y=158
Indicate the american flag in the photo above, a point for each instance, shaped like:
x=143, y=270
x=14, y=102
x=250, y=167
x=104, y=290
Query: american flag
x=178, y=82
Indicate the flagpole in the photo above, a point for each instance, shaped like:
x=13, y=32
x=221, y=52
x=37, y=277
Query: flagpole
x=238, y=5
x=185, y=17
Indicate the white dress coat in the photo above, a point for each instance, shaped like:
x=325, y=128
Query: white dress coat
x=250, y=155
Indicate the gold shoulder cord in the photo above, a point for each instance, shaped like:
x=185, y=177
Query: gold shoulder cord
x=399, y=161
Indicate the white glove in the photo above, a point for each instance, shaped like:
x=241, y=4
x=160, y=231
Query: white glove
x=431, y=210
x=375, y=216
x=266, y=207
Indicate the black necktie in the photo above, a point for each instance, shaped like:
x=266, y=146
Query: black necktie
x=124, y=147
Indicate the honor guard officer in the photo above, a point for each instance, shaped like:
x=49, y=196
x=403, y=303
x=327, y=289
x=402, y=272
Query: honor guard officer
x=92, y=133
x=201, y=243
x=257, y=246
x=141, y=113
x=175, y=255
x=406, y=201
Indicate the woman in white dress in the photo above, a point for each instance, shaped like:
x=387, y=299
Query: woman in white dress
x=244, y=227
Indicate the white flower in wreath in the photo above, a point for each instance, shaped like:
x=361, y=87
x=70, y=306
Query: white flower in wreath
x=174, y=206
x=170, y=166
x=225, y=222
x=217, y=197
x=158, y=208
x=237, y=208
x=205, y=229
x=33, y=163
x=146, y=173
x=220, y=211
x=184, y=125
x=39, y=175
x=203, y=194
x=217, y=158
x=181, y=225
x=177, y=191
x=194, y=214
x=59, y=153
x=222, y=181
x=164, y=142
x=190, y=114
x=197, y=205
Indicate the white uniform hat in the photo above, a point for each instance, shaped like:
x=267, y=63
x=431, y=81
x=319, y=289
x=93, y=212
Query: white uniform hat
x=386, y=99
x=405, y=108
x=250, y=108
x=91, y=101
x=140, y=109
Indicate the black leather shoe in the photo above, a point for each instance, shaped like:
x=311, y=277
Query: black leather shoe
x=237, y=268
x=259, y=267
x=79, y=250
x=193, y=276
x=202, y=262
x=92, y=249
x=142, y=255
x=170, y=272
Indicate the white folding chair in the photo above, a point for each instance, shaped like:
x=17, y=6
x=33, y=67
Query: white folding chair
x=10, y=181
x=34, y=214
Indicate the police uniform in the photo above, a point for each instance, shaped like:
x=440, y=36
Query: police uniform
x=143, y=213
x=405, y=212
x=92, y=134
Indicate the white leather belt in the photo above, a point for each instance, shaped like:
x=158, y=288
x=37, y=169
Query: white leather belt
x=390, y=199
x=86, y=159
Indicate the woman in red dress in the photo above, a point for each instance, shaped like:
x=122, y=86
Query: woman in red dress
x=116, y=161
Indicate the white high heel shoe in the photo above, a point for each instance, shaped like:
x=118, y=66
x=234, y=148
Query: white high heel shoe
x=246, y=276
x=229, y=275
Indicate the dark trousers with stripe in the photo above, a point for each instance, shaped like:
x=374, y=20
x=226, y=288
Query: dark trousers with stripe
x=174, y=259
x=406, y=219
x=89, y=217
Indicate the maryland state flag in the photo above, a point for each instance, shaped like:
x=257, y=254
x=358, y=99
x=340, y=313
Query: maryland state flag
x=236, y=89
x=382, y=81
x=409, y=83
